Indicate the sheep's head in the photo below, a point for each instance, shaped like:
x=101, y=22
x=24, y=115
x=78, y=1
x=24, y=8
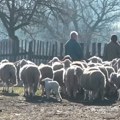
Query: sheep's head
x=67, y=63
x=111, y=89
x=113, y=78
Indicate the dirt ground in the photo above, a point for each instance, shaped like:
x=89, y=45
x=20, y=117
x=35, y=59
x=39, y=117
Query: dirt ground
x=16, y=107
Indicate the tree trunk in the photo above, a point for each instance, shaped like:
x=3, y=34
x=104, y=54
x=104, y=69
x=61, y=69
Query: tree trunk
x=15, y=44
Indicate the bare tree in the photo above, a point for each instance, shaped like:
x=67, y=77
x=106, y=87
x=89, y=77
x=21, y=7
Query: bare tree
x=16, y=14
x=96, y=15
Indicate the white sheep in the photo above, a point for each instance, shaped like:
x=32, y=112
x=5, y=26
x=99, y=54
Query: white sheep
x=20, y=64
x=71, y=79
x=8, y=75
x=95, y=59
x=93, y=82
x=58, y=75
x=46, y=71
x=53, y=86
x=30, y=75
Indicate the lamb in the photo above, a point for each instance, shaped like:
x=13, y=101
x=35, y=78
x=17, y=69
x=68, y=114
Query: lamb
x=53, y=86
x=30, y=75
x=93, y=82
x=8, y=75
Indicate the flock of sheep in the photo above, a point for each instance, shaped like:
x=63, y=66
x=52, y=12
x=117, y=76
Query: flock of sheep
x=95, y=78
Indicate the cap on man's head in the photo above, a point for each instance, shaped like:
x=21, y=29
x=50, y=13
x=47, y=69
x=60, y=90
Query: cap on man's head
x=73, y=34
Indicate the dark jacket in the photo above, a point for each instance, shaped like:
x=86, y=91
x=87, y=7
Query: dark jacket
x=73, y=48
x=111, y=51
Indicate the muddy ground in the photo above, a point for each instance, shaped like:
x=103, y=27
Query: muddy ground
x=16, y=107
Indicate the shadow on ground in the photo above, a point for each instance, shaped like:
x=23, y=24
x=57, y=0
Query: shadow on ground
x=9, y=94
x=40, y=99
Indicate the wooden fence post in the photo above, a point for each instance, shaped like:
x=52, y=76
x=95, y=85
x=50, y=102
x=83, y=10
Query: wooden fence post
x=30, y=50
x=99, y=49
x=93, y=49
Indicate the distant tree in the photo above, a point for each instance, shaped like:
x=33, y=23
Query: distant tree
x=94, y=15
x=16, y=14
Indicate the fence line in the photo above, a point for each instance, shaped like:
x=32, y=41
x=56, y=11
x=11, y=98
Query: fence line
x=42, y=51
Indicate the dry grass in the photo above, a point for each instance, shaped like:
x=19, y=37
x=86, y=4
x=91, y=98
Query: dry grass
x=20, y=91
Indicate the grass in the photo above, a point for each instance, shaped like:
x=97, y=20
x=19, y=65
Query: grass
x=20, y=91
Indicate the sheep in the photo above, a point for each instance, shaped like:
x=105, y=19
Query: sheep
x=79, y=63
x=94, y=82
x=115, y=78
x=110, y=70
x=46, y=71
x=4, y=61
x=55, y=59
x=30, y=75
x=110, y=89
x=67, y=57
x=53, y=86
x=95, y=59
x=66, y=63
x=57, y=65
x=114, y=64
x=58, y=75
x=71, y=79
x=20, y=64
x=8, y=75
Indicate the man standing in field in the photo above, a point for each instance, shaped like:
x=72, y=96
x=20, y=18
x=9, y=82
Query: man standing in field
x=73, y=48
x=112, y=49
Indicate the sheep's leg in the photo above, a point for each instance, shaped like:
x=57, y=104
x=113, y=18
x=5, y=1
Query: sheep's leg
x=7, y=89
x=86, y=93
x=3, y=90
x=42, y=87
x=12, y=90
x=74, y=93
x=93, y=95
x=48, y=94
x=118, y=94
x=68, y=92
x=7, y=86
x=63, y=90
x=58, y=96
x=101, y=94
x=32, y=93
x=25, y=90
